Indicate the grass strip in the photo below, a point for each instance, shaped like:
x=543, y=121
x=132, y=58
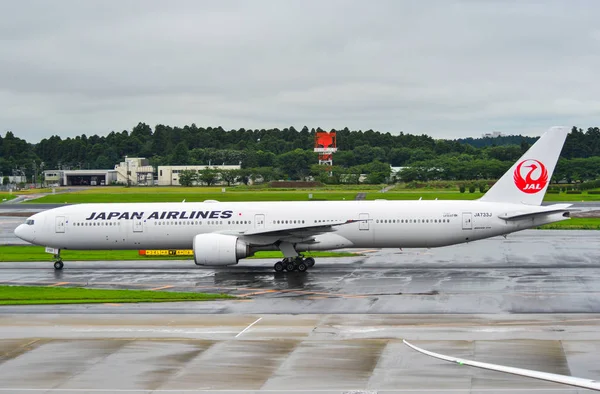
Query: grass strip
x=150, y=196
x=170, y=194
x=574, y=224
x=20, y=253
x=29, y=295
x=4, y=197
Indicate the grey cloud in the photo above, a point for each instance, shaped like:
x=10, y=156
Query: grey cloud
x=448, y=68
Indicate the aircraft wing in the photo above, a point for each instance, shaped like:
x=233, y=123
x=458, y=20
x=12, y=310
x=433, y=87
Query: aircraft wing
x=551, y=377
x=304, y=230
x=556, y=208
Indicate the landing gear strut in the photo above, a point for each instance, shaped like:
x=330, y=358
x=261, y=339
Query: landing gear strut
x=293, y=261
x=58, y=263
x=297, y=263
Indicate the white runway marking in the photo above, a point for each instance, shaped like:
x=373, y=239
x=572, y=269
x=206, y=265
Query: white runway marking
x=245, y=329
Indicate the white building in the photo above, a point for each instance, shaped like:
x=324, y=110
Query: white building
x=17, y=179
x=135, y=171
x=169, y=175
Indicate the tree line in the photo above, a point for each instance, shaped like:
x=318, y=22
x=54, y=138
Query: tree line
x=287, y=153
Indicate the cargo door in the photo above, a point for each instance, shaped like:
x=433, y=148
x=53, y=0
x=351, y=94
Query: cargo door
x=60, y=224
x=364, y=222
x=259, y=222
x=467, y=221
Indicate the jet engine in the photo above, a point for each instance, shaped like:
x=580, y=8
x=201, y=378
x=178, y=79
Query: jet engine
x=219, y=249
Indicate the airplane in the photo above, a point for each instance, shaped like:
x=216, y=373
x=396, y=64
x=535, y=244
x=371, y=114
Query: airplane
x=550, y=377
x=222, y=233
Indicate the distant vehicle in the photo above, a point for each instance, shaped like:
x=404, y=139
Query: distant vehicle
x=223, y=233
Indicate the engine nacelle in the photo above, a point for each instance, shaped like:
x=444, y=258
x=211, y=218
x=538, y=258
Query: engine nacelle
x=219, y=249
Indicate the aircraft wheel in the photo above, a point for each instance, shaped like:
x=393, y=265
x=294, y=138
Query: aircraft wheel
x=302, y=267
x=290, y=266
x=58, y=265
x=278, y=267
x=309, y=261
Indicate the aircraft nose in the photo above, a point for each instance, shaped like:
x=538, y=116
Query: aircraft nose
x=23, y=232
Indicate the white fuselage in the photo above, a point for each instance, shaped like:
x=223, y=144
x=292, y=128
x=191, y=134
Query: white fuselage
x=381, y=224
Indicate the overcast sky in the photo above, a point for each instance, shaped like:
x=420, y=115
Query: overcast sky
x=445, y=68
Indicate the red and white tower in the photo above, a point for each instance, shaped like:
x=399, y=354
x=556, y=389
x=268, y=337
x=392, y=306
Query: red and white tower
x=325, y=146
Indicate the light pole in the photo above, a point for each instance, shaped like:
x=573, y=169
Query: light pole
x=127, y=163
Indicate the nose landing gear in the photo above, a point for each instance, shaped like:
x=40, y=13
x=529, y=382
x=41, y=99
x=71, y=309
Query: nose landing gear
x=58, y=263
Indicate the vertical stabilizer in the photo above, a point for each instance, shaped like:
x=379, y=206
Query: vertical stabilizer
x=527, y=180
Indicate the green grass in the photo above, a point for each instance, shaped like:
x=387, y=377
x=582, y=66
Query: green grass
x=245, y=193
x=444, y=194
x=6, y=196
x=150, y=196
x=37, y=253
x=572, y=197
x=423, y=194
x=574, y=224
x=28, y=295
x=279, y=255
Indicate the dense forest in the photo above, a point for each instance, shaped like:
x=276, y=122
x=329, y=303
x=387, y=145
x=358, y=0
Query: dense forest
x=287, y=153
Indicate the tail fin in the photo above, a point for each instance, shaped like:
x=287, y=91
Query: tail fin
x=527, y=180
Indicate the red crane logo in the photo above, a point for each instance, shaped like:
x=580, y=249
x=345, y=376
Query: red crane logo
x=531, y=176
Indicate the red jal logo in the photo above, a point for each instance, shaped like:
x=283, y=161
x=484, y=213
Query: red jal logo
x=531, y=176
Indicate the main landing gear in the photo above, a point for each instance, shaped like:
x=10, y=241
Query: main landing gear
x=298, y=263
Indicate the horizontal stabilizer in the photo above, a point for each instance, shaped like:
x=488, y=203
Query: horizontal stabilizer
x=518, y=215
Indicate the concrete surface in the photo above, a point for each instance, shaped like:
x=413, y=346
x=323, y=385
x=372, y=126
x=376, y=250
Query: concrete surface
x=529, y=272
x=280, y=353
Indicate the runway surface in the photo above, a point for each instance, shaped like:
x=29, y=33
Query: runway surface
x=535, y=271
x=280, y=353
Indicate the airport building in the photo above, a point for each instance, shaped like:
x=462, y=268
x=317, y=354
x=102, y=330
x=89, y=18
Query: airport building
x=135, y=171
x=79, y=177
x=132, y=171
x=169, y=175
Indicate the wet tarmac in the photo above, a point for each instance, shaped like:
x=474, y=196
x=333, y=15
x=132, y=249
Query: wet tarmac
x=534, y=271
x=299, y=353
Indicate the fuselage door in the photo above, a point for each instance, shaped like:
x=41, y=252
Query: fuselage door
x=138, y=226
x=364, y=221
x=467, y=221
x=60, y=224
x=259, y=222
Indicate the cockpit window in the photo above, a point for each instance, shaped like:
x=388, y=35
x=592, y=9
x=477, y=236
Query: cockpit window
x=29, y=222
